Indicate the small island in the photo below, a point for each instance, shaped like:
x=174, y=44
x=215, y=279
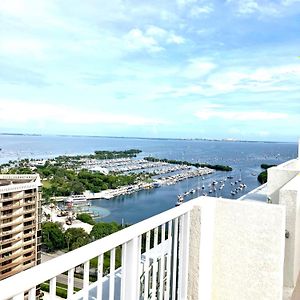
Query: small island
x=197, y=165
x=263, y=176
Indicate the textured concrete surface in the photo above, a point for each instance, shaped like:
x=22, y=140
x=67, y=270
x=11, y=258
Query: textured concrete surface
x=248, y=251
x=194, y=257
x=258, y=194
x=290, y=198
x=281, y=175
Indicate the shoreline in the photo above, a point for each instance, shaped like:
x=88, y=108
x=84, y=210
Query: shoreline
x=130, y=189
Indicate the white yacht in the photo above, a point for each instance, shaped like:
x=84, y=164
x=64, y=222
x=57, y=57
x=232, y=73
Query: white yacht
x=76, y=199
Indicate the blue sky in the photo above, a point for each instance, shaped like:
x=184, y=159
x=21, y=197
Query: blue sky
x=185, y=68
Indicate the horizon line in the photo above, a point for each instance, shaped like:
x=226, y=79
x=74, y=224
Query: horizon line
x=146, y=138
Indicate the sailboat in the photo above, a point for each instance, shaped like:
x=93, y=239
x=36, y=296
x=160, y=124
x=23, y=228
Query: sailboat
x=180, y=200
x=240, y=179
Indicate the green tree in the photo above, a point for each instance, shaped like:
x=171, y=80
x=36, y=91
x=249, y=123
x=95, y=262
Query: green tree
x=102, y=229
x=86, y=218
x=263, y=177
x=76, y=237
x=52, y=236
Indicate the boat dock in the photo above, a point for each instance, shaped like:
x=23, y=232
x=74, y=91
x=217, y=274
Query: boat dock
x=126, y=190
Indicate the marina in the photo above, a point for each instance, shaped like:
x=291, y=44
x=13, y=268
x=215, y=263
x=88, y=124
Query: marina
x=131, y=207
x=167, y=180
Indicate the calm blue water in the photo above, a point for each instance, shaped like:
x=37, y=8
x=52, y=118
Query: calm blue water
x=244, y=157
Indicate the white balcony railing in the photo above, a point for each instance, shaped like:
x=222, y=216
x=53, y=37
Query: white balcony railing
x=148, y=260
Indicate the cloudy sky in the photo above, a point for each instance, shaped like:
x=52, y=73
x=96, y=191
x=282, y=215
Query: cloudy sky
x=167, y=68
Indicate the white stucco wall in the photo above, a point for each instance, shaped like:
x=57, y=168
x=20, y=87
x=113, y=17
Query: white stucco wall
x=241, y=251
x=248, y=251
x=201, y=248
x=194, y=257
x=290, y=198
x=279, y=176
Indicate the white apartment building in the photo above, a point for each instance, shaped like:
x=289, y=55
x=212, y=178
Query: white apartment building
x=19, y=223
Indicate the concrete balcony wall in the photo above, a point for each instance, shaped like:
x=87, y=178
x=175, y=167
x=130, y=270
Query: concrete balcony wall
x=234, y=254
x=248, y=237
x=281, y=175
x=290, y=198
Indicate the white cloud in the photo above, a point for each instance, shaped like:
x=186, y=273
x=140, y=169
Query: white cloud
x=155, y=31
x=175, y=39
x=207, y=79
x=188, y=90
x=197, y=68
x=22, y=112
x=182, y=3
x=162, y=35
x=153, y=39
x=289, y=2
x=22, y=46
x=136, y=40
x=261, y=79
x=196, y=11
x=23, y=8
x=208, y=112
x=248, y=7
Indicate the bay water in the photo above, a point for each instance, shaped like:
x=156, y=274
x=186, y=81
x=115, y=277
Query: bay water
x=244, y=157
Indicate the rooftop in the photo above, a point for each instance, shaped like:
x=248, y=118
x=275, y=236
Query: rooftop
x=17, y=182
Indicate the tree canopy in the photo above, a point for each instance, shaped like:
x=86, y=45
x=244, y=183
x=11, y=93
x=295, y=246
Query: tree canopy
x=76, y=237
x=197, y=165
x=52, y=236
x=102, y=229
x=86, y=218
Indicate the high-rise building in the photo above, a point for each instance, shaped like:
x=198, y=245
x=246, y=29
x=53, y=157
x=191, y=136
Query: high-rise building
x=20, y=216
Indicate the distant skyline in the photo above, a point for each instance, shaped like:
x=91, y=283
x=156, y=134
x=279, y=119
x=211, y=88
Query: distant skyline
x=161, y=69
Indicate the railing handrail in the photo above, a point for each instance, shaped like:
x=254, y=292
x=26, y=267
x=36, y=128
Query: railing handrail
x=56, y=266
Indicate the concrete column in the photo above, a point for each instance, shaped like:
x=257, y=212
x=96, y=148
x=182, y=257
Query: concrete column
x=194, y=246
x=201, y=249
x=290, y=198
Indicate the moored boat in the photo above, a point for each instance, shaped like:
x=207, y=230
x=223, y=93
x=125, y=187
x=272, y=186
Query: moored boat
x=76, y=199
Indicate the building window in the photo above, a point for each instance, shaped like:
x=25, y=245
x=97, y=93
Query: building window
x=28, y=254
x=27, y=239
x=7, y=195
x=28, y=223
x=6, y=271
x=8, y=228
x=6, y=263
x=7, y=212
x=6, y=246
x=7, y=220
x=27, y=231
x=7, y=254
x=7, y=237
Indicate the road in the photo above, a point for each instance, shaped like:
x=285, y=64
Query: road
x=62, y=278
